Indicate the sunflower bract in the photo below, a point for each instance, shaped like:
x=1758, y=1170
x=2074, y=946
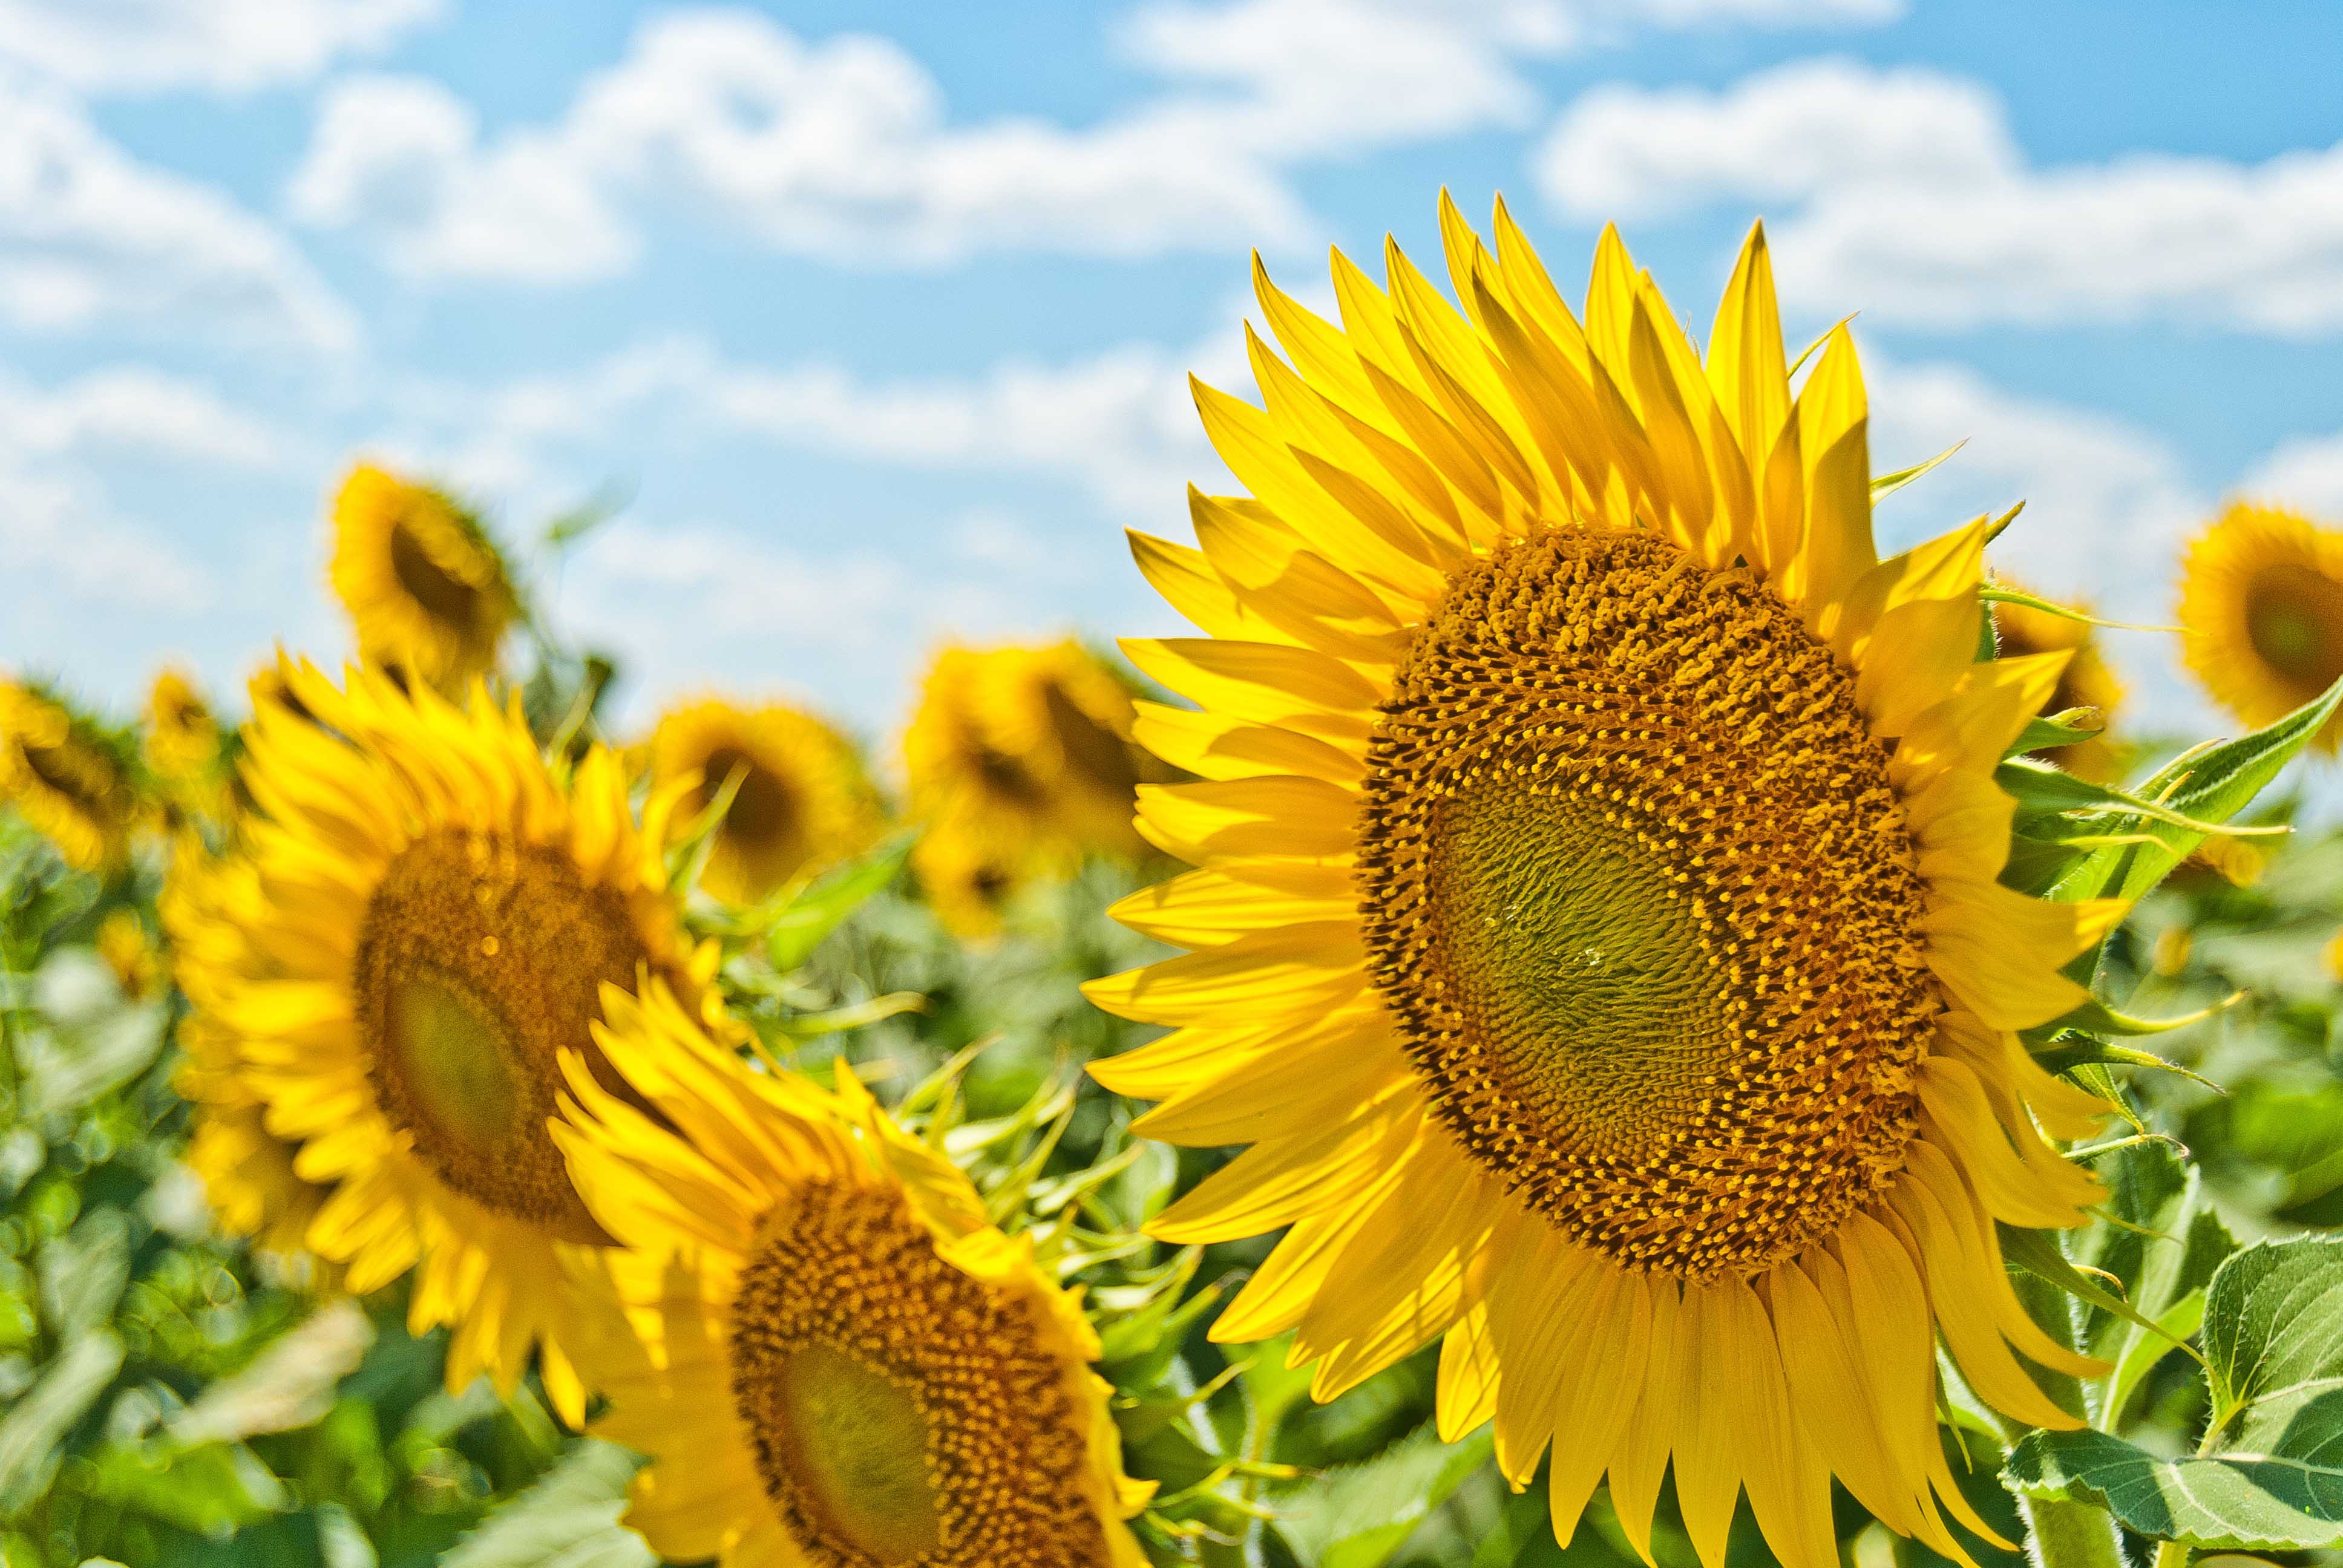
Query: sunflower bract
x=1596, y=932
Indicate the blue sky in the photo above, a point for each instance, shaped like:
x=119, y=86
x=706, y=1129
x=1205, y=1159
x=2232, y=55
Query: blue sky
x=880, y=313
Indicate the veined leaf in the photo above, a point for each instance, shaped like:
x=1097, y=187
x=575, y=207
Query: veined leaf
x=568, y=1520
x=1358, y=1517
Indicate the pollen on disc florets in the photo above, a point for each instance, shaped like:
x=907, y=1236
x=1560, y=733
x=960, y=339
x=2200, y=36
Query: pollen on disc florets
x=480, y=960
x=852, y=1340
x=1640, y=893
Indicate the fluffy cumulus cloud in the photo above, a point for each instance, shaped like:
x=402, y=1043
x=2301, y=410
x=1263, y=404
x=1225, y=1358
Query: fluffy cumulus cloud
x=845, y=148
x=90, y=236
x=2305, y=473
x=223, y=45
x=1907, y=195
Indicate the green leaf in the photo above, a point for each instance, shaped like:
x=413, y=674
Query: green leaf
x=2240, y=1503
x=2268, y=1475
x=1361, y=1515
x=2063, y=727
x=1887, y=485
x=290, y=1385
x=824, y=906
x=2162, y=1249
x=569, y=1519
x=34, y=1426
x=2209, y=786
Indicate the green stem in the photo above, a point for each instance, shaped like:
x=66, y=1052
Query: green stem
x=2059, y=1534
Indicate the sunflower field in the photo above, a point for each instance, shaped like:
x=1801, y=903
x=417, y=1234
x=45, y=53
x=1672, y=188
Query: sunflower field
x=1583, y=1016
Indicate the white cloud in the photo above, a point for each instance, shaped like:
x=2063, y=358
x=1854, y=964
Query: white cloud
x=88, y=235
x=136, y=410
x=1910, y=200
x=404, y=152
x=2305, y=474
x=845, y=148
x=57, y=533
x=226, y=45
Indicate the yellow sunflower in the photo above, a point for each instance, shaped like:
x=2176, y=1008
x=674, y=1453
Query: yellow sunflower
x=1596, y=927
x=246, y=1171
x=2261, y=612
x=62, y=777
x=422, y=915
x=1021, y=762
x=423, y=587
x=832, y=1357
x=2087, y=681
x=804, y=800
x=183, y=738
x=126, y=950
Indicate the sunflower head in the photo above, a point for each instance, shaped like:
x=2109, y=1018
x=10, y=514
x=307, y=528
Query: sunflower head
x=833, y=1360
x=1021, y=762
x=424, y=588
x=2261, y=613
x=803, y=801
x=1596, y=929
x=128, y=952
x=422, y=915
x=67, y=777
x=182, y=737
x=2086, y=681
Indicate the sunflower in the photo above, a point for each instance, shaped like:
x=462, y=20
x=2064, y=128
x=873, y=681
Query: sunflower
x=246, y=1171
x=1596, y=932
x=834, y=1360
x=2087, y=681
x=422, y=915
x=64, y=778
x=1021, y=762
x=423, y=587
x=128, y=953
x=2261, y=613
x=183, y=738
x=803, y=802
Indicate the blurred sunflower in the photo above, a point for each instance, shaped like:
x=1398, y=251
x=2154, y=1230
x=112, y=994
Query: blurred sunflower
x=423, y=914
x=835, y=1359
x=128, y=953
x=66, y=778
x=1021, y=762
x=804, y=800
x=424, y=588
x=182, y=737
x=2261, y=613
x=2087, y=681
x=1597, y=933
x=246, y=1171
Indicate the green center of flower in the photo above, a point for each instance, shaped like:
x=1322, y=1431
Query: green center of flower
x=857, y=1443
x=1572, y=953
x=2294, y=616
x=478, y=962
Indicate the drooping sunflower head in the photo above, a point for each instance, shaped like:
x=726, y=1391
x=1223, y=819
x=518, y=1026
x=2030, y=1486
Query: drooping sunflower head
x=802, y=800
x=2261, y=613
x=2088, y=680
x=1020, y=758
x=66, y=776
x=1597, y=926
x=832, y=1359
x=421, y=916
x=425, y=587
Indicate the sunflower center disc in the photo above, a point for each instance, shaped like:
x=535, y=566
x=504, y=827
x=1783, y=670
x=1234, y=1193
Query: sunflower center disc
x=2291, y=614
x=448, y=597
x=1639, y=894
x=479, y=962
x=55, y=767
x=764, y=818
x=902, y=1411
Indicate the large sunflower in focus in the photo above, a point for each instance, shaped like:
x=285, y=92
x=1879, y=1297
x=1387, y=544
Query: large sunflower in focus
x=65, y=778
x=2261, y=613
x=1596, y=927
x=421, y=916
x=803, y=799
x=834, y=1360
x=2087, y=681
x=1021, y=762
x=424, y=588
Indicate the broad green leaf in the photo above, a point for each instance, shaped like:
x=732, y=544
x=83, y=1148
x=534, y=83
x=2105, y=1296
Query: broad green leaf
x=2245, y=1502
x=2165, y=1245
x=38, y=1422
x=290, y=1385
x=823, y=907
x=569, y=1519
x=1361, y=1515
x=2268, y=1474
